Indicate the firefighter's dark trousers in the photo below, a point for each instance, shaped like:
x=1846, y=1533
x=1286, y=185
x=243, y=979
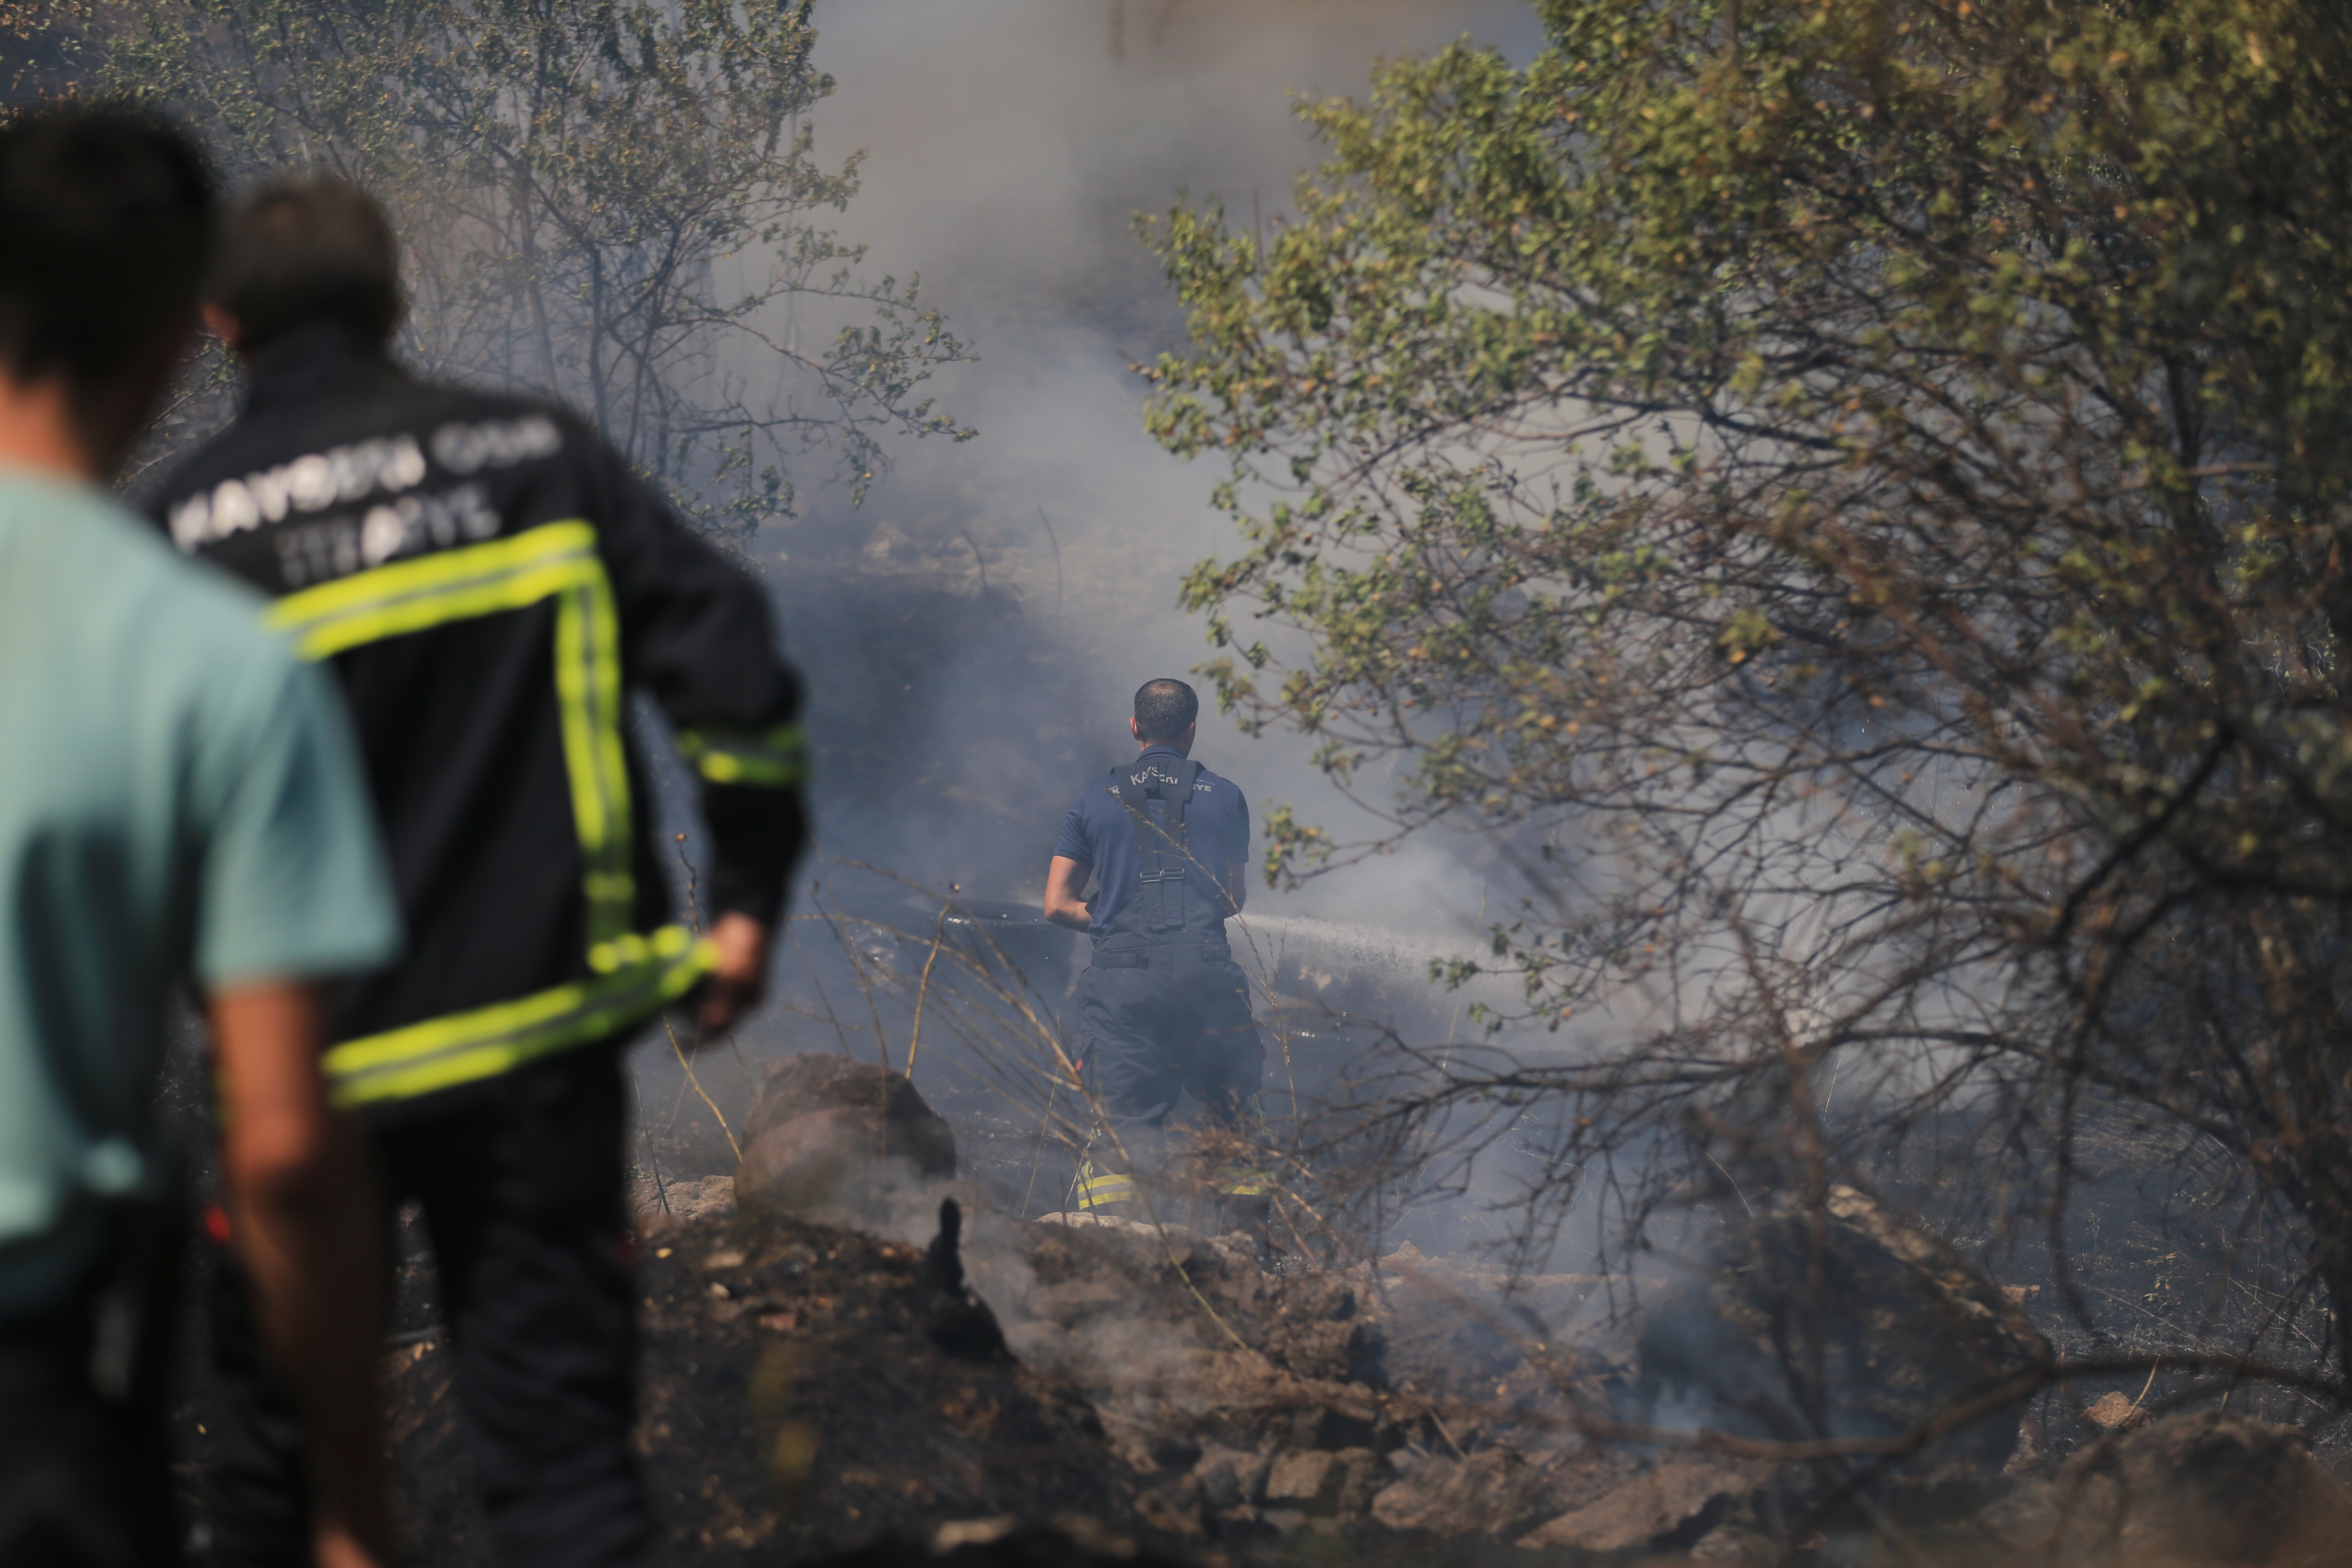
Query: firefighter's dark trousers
x=522, y=1196
x=83, y=1478
x=1155, y=1022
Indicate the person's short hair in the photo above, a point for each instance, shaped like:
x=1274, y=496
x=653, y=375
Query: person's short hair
x=1164, y=710
x=106, y=225
x=311, y=249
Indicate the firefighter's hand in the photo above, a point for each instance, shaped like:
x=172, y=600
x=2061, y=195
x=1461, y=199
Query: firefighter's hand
x=739, y=980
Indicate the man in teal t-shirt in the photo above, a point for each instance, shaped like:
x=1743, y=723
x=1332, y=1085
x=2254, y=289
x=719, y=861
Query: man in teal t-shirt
x=177, y=796
x=178, y=800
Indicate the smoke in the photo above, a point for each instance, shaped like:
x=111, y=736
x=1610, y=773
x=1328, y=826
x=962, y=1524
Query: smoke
x=971, y=635
x=1007, y=147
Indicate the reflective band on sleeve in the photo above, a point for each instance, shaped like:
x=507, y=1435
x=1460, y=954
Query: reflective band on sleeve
x=776, y=758
x=555, y=560
x=465, y=1047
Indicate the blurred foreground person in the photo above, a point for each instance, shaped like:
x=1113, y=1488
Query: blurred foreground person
x=1164, y=1008
x=490, y=584
x=178, y=799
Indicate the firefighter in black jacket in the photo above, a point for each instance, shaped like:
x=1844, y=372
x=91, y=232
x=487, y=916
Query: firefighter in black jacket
x=489, y=582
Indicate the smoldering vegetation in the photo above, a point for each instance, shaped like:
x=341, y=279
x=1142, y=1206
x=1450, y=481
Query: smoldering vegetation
x=1393, y=1369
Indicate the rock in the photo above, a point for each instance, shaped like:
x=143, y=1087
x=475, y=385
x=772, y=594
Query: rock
x=1669, y=1507
x=1445, y=1342
x=1737, y=1545
x=1366, y=1472
x=827, y=1132
x=1156, y=1332
x=1895, y=1332
x=1300, y=1476
x=2112, y=1412
x=1495, y=1492
x=2194, y=1488
x=660, y=1203
x=1454, y=1331
x=1314, y=1329
x=1229, y=1477
x=1320, y=1483
x=1171, y=1234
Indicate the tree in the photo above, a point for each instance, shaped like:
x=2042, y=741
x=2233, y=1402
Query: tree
x=1851, y=496
x=614, y=200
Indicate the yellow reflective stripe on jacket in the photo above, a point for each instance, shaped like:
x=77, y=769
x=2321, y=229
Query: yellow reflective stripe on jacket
x=1238, y=1182
x=465, y=1047
x=777, y=758
x=588, y=685
x=448, y=586
x=636, y=973
x=1098, y=1188
x=555, y=560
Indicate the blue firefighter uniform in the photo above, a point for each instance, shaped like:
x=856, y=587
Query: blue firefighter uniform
x=1164, y=1008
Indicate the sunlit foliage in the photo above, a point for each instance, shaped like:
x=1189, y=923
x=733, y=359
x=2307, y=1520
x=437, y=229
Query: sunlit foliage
x=1851, y=494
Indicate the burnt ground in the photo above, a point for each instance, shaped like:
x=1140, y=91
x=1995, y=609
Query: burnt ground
x=807, y=1390
x=798, y=1401
x=793, y=1404
x=1194, y=1399
x=812, y=1392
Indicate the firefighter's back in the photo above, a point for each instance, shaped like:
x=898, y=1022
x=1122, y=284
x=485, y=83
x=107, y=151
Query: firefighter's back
x=488, y=583
x=418, y=536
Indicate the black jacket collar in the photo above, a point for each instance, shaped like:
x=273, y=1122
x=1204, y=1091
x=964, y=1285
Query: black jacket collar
x=322, y=359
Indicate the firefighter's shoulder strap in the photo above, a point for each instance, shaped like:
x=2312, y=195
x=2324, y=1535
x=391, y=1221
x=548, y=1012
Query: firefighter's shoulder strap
x=1159, y=843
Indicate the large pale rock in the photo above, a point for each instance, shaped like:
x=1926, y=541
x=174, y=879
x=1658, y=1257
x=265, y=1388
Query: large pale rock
x=1856, y=1326
x=659, y=1202
x=825, y=1133
x=1670, y=1507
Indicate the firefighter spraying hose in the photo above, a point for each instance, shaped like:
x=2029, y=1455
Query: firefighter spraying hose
x=1164, y=1009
